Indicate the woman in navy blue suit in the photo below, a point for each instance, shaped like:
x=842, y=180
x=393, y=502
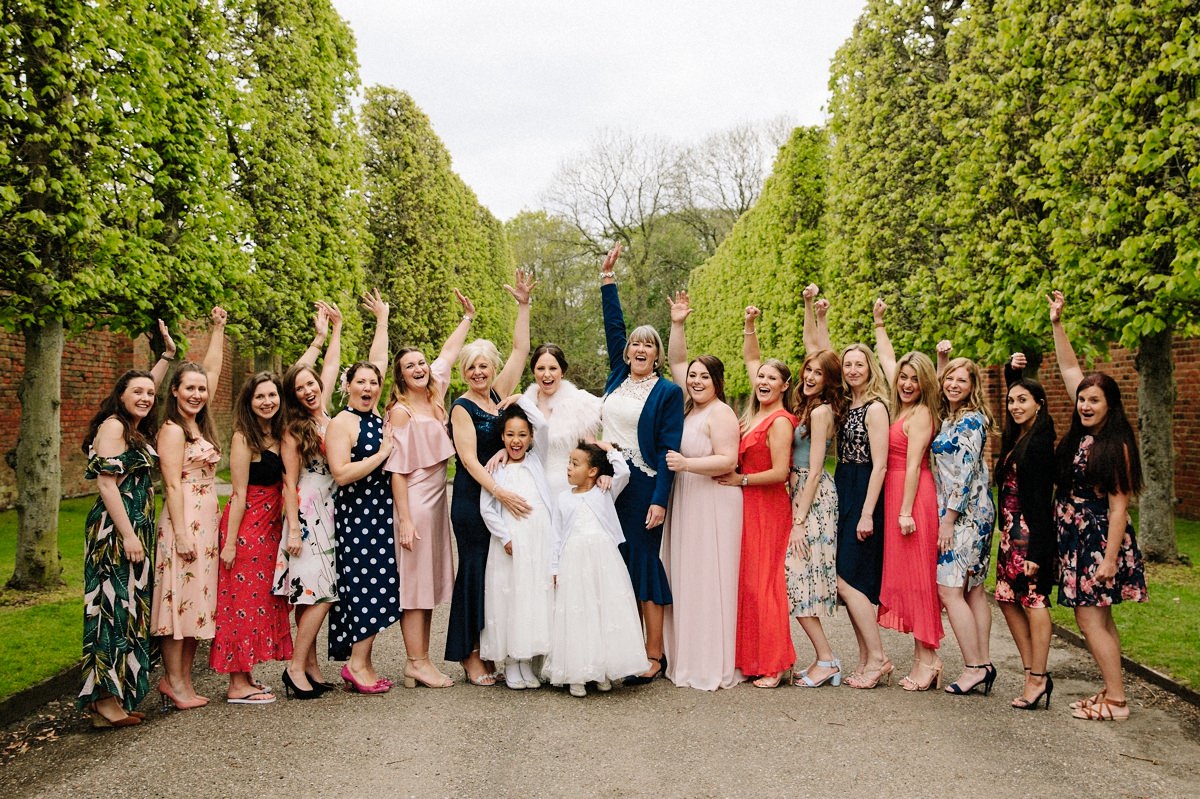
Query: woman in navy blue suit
x=643, y=414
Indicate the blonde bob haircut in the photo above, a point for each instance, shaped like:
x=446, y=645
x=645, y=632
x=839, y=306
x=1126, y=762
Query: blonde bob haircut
x=877, y=382
x=646, y=334
x=975, y=401
x=926, y=380
x=479, y=348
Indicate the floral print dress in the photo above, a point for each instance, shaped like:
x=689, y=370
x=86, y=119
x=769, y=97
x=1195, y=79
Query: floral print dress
x=963, y=486
x=812, y=577
x=185, y=593
x=1081, y=516
x=118, y=651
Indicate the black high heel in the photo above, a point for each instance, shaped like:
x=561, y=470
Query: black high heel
x=638, y=679
x=989, y=677
x=290, y=688
x=1046, y=691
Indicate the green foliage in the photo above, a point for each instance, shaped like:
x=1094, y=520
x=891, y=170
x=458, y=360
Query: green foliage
x=429, y=233
x=774, y=250
x=298, y=161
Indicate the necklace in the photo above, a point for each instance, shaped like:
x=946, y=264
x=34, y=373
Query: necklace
x=650, y=376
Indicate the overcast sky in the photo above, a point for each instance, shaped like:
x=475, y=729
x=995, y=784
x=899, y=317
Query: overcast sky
x=514, y=88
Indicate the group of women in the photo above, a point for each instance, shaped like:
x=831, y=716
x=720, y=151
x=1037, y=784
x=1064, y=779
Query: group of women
x=731, y=524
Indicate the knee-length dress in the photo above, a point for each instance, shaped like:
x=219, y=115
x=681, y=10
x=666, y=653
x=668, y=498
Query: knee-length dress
x=185, y=593
x=812, y=579
x=1026, y=523
x=964, y=485
x=702, y=542
x=859, y=563
x=1081, y=518
x=310, y=577
x=471, y=535
x=368, y=583
x=764, y=635
x=252, y=622
x=908, y=600
x=421, y=452
x=118, y=650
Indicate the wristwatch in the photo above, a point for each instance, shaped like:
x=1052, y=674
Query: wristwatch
x=745, y=480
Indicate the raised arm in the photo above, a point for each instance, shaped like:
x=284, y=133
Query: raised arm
x=378, y=354
x=510, y=376
x=810, y=318
x=1064, y=353
x=610, y=304
x=821, y=307
x=943, y=355
x=215, y=356
x=1014, y=368
x=883, y=345
x=333, y=355
x=750, y=352
x=677, y=356
x=163, y=364
x=320, y=333
x=454, y=344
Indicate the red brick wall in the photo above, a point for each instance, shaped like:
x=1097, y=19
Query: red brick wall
x=91, y=365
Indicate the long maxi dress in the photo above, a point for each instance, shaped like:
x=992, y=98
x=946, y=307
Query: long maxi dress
x=701, y=552
x=118, y=650
x=812, y=579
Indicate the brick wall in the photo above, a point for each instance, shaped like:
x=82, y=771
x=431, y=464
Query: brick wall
x=91, y=365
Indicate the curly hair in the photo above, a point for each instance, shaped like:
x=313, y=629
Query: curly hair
x=831, y=393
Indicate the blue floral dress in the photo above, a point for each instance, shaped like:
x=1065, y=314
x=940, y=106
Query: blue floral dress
x=963, y=486
x=812, y=578
x=1081, y=516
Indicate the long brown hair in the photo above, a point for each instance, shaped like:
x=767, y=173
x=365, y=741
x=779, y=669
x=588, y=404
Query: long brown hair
x=831, y=393
x=297, y=421
x=716, y=371
x=138, y=433
x=203, y=419
x=435, y=391
x=246, y=421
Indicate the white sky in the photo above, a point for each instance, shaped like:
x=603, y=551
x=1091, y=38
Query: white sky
x=514, y=88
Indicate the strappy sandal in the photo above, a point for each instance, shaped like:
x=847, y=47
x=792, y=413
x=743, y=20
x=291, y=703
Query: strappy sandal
x=1094, y=699
x=1103, y=711
x=870, y=678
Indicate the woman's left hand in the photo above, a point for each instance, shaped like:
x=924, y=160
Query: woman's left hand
x=655, y=516
x=729, y=479
x=945, y=535
x=229, y=553
x=465, y=302
x=168, y=342
x=1106, y=572
x=1031, y=568
x=676, y=462
x=908, y=525
x=523, y=288
x=132, y=545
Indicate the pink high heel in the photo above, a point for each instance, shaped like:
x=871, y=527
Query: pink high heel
x=353, y=686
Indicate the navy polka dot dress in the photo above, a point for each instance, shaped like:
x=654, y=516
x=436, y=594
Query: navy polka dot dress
x=368, y=583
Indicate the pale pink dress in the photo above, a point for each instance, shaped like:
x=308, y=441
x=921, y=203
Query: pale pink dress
x=421, y=450
x=701, y=550
x=185, y=593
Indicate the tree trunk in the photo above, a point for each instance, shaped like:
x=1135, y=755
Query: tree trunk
x=1156, y=412
x=39, y=469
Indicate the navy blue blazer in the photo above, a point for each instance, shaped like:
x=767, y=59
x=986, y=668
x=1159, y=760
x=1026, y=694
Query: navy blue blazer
x=660, y=427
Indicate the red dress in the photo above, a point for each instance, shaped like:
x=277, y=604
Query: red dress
x=252, y=621
x=908, y=598
x=764, y=634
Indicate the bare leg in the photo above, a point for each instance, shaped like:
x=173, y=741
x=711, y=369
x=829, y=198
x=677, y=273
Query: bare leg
x=1039, y=630
x=309, y=619
x=1018, y=625
x=977, y=601
x=652, y=616
x=477, y=671
x=962, y=621
x=866, y=627
x=360, y=663
x=1104, y=642
x=824, y=652
x=414, y=626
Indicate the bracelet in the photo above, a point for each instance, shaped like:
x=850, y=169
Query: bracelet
x=879, y=324
x=608, y=275
x=167, y=358
x=749, y=332
x=468, y=318
x=905, y=516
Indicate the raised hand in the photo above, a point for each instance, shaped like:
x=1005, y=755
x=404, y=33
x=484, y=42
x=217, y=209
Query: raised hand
x=752, y=313
x=821, y=306
x=321, y=321
x=810, y=291
x=524, y=286
x=219, y=316
x=372, y=301
x=168, y=342
x=465, y=302
x=1018, y=361
x=944, y=347
x=610, y=260
x=877, y=310
x=1057, y=302
x=681, y=309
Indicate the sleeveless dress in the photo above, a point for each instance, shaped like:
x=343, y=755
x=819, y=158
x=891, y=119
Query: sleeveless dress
x=964, y=485
x=368, y=584
x=472, y=536
x=908, y=600
x=252, y=622
x=118, y=650
x=421, y=451
x=310, y=578
x=701, y=552
x=812, y=580
x=859, y=563
x=1081, y=516
x=764, y=633
x=185, y=594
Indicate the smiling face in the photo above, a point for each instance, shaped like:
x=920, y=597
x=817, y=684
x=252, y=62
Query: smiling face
x=700, y=385
x=580, y=472
x=548, y=374
x=518, y=439
x=414, y=370
x=363, y=389
x=1022, y=407
x=907, y=385
x=307, y=389
x=265, y=402
x=191, y=395
x=478, y=374
x=642, y=355
x=855, y=369
x=1092, y=407
x=769, y=385
x=138, y=398
x=957, y=386
x=813, y=379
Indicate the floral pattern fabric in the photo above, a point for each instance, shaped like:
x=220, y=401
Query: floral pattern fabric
x=118, y=650
x=311, y=577
x=1081, y=516
x=1011, y=583
x=963, y=486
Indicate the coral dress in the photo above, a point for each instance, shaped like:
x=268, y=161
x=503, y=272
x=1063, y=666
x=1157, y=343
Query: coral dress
x=185, y=593
x=764, y=634
x=118, y=651
x=252, y=622
x=908, y=599
x=701, y=551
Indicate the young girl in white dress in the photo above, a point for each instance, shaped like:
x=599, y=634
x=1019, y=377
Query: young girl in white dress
x=518, y=594
x=597, y=634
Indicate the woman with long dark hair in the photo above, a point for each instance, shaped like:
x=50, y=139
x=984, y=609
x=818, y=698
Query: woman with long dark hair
x=1099, y=470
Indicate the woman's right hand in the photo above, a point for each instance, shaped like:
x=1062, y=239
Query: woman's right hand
x=865, y=528
x=407, y=533
x=373, y=302
x=810, y=291
x=878, y=309
x=676, y=462
x=294, y=544
x=185, y=548
x=1057, y=302
x=610, y=260
x=1018, y=360
x=681, y=308
x=385, y=444
x=219, y=316
x=513, y=502
x=496, y=461
x=132, y=545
